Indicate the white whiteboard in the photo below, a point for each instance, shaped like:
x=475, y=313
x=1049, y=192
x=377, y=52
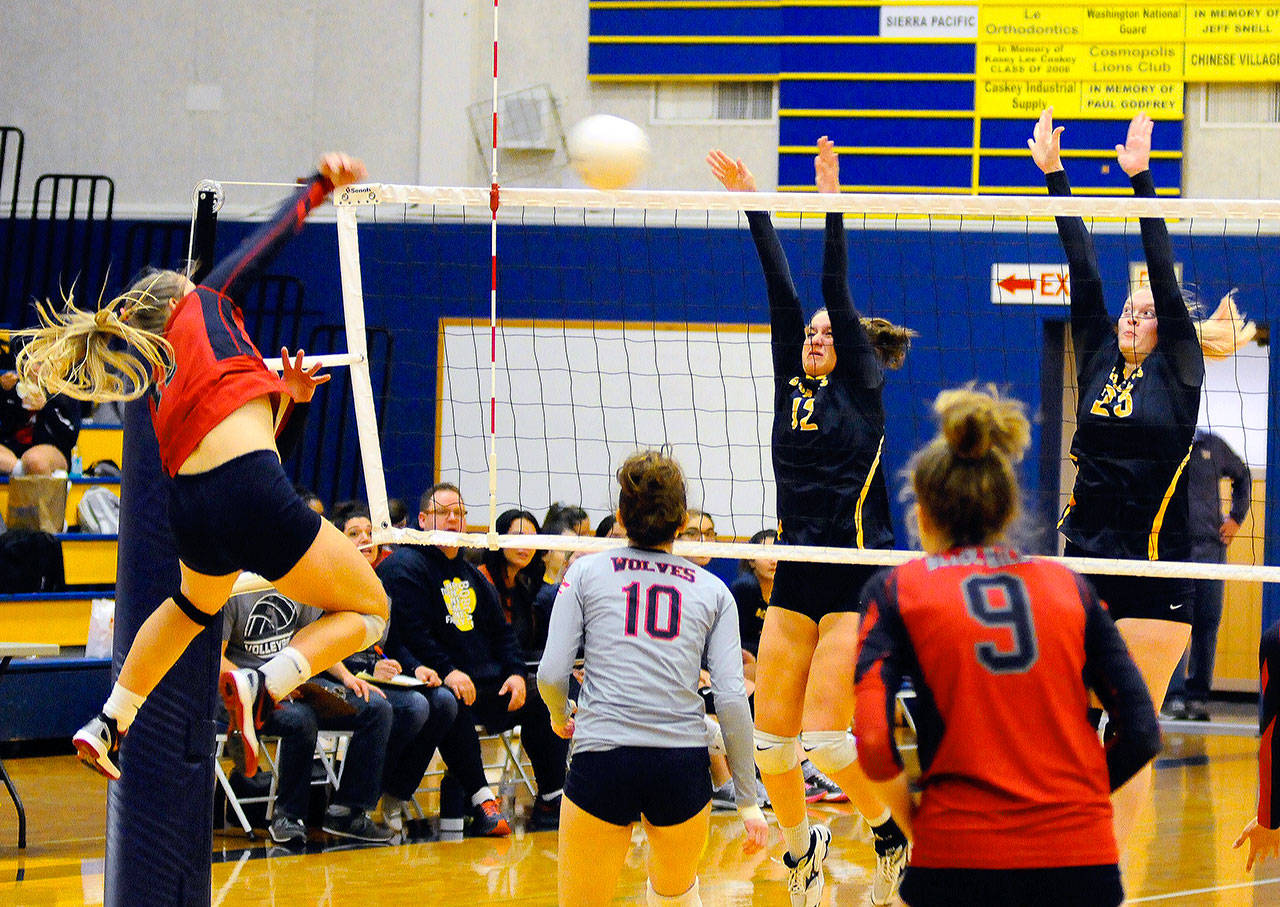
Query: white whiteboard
x=574, y=400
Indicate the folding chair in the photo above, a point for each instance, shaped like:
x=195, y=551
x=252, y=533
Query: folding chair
x=331, y=750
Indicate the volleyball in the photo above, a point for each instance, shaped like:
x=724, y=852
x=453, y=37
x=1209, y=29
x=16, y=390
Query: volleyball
x=608, y=152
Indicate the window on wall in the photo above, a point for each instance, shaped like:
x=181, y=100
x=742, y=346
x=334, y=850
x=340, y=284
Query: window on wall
x=714, y=101
x=1241, y=104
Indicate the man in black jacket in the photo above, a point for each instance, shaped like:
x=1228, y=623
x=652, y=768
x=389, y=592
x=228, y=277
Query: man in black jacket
x=447, y=627
x=1212, y=460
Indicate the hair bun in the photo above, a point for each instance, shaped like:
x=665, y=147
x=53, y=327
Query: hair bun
x=976, y=421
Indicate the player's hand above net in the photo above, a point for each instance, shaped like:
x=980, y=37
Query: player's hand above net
x=826, y=166
x=1046, y=143
x=341, y=169
x=732, y=174
x=1135, y=154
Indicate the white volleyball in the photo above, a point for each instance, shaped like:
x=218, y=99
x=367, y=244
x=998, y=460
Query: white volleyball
x=608, y=152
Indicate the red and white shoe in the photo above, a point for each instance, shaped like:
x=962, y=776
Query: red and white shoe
x=244, y=693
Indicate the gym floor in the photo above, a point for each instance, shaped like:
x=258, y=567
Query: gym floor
x=1181, y=855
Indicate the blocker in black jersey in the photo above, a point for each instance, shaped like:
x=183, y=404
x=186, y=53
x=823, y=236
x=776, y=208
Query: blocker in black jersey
x=828, y=432
x=1134, y=432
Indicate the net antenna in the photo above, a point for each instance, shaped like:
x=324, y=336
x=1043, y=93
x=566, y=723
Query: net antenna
x=494, y=204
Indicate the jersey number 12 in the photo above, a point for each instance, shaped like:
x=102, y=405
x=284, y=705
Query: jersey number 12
x=657, y=600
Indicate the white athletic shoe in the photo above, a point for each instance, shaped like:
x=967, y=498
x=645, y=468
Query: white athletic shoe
x=244, y=693
x=804, y=877
x=889, y=867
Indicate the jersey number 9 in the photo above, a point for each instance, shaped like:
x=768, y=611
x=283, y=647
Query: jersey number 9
x=1001, y=602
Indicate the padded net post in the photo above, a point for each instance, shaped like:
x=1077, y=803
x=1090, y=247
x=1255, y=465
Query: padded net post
x=160, y=812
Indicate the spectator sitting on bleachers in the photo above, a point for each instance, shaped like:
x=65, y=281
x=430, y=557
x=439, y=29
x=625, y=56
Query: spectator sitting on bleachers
x=699, y=527
x=421, y=717
x=445, y=619
x=517, y=575
x=37, y=432
x=554, y=564
x=352, y=517
x=310, y=498
x=570, y=515
x=610, y=528
x=258, y=626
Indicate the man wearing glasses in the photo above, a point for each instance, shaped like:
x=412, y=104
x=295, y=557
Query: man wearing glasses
x=448, y=628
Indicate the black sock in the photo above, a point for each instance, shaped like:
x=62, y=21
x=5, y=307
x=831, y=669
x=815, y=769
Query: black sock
x=888, y=835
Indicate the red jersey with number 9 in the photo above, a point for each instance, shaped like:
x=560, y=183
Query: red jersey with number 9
x=996, y=646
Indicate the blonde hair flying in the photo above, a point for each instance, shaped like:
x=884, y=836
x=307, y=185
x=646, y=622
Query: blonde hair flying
x=1225, y=331
x=72, y=353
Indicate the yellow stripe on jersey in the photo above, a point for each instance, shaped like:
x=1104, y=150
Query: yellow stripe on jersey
x=866, y=487
x=1153, y=541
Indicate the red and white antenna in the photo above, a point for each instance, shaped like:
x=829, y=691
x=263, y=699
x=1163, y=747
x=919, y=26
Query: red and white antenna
x=493, y=302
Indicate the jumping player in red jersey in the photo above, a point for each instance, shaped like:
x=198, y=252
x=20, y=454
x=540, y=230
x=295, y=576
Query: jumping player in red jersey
x=1263, y=831
x=1002, y=651
x=216, y=407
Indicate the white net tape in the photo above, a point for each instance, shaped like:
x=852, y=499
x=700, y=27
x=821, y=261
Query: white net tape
x=1213, y=216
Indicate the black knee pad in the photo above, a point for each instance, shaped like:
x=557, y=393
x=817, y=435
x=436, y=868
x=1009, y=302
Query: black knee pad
x=194, y=614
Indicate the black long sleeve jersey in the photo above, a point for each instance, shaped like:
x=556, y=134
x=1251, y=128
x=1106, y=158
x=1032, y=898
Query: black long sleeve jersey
x=828, y=433
x=1133, y=434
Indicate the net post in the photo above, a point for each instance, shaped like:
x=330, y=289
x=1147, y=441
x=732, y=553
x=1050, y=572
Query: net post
x=375, y=483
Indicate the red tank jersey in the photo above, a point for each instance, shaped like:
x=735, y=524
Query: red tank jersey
x=216, y=368
x=999, y=649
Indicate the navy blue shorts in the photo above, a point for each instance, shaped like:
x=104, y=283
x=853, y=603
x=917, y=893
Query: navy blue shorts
x=816, y=590
x=618, y=786
x=1062, y=886
x=1170, y=598
x=242, y=515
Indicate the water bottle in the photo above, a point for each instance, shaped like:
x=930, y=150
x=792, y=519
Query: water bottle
x=77, y=465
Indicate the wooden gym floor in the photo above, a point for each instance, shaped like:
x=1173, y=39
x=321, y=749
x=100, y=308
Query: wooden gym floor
x=1181, y=855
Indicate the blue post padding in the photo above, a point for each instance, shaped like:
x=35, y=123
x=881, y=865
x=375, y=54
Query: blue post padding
x=160, y=812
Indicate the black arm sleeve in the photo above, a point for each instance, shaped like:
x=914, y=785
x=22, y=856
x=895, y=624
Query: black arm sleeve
x=878, y=678
x=1110, y=672
x=1090, y=324
x=1176, y=331
x=290, y=436
x=853, y=347
x=244, y=265
x=1237, y=471
x=786, y=320
x=1269, y=754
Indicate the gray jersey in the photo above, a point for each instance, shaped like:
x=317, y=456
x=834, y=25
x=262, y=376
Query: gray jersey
x=257, y=626
x=645, y=620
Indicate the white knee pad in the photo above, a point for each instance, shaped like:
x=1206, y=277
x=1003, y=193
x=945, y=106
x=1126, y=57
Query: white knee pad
x=775, y=755
x=375, y=626
x=829, y=751
x=715, y=737
x=690, y=898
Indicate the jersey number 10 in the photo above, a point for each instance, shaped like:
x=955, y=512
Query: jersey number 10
x=653, y=608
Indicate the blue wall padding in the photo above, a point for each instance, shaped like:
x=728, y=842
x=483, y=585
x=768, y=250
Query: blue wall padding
x=160, y=812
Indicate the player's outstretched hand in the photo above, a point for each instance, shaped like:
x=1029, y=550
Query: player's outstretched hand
x=826, y=166
x=732, y=174
x=341, y=169
x=1046, y=143
x=1263, y=842
x=757, y=831
x=300, y=383
x=1135, y=154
